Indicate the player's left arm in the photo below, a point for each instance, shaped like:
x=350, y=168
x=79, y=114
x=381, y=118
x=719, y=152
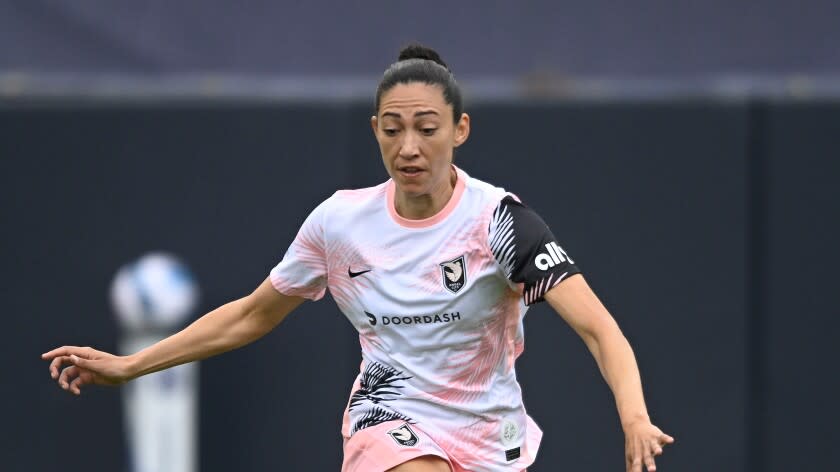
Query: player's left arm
x=578, y=305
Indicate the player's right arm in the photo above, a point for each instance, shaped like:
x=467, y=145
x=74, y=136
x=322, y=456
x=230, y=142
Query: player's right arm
x=228, y=327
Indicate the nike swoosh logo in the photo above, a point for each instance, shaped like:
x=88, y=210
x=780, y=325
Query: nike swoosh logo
x=356, y=274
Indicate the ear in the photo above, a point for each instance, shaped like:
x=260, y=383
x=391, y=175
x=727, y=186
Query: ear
x=373, y=124
x=462, y=129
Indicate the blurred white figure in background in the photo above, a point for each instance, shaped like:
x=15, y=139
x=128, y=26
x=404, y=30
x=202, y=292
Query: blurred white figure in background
x=152, y=298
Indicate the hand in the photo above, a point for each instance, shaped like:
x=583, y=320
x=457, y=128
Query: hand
x=642, y=442
x=86, y=366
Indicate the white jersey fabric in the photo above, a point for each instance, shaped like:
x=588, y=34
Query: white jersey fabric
x=438, y=304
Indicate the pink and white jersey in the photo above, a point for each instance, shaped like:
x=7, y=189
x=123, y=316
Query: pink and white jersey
x=438, y=304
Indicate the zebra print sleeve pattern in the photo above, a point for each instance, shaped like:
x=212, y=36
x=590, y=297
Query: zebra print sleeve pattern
x=527, y=251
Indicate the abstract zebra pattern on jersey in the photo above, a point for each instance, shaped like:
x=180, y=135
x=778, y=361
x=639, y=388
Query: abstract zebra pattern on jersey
x=378, y=384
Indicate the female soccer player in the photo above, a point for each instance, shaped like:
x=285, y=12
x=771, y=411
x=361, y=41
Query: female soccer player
x=435, y=269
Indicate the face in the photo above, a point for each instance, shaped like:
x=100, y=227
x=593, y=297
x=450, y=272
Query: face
x=417, y=137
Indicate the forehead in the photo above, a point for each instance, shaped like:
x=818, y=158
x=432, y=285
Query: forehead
x=406, y=99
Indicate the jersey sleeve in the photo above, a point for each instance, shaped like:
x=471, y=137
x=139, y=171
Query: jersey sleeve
x=527, y=251
x=303, y=270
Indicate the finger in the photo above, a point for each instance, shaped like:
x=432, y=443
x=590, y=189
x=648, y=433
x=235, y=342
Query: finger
x=665, y=439
x=69, y=351
x=650, y=465
x=83, y=363
x=628, y=456
x=76, y=385
x=55, y=365
x=636, y=464
x=60, y=351
x=67, y=375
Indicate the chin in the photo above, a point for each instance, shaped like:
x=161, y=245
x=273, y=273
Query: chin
x=412, y=189
x=410, y=185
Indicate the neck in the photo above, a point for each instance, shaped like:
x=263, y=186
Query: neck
x=419, y=207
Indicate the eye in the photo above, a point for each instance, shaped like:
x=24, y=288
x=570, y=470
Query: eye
x=428, y=131
x=390, y=131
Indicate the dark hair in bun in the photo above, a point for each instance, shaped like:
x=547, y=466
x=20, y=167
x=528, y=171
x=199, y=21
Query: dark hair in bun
x=418, y=63
x=417, y=51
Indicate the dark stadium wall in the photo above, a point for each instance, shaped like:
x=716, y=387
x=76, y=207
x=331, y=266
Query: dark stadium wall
x=708, y=229
x=796, y=261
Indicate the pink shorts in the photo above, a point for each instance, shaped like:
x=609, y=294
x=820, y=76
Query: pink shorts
x=387, y=445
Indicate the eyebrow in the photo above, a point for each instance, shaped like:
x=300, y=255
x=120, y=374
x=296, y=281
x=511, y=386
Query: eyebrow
x=419, y=113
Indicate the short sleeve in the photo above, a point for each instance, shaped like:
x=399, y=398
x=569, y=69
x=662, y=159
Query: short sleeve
x=527, y=251
x=303, y=270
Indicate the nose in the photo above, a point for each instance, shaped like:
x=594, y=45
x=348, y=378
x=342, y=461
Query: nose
x=410, y=146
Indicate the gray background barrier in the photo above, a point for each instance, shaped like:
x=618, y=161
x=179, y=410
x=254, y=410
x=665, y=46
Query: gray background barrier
x=571, y=38
x=709, y=228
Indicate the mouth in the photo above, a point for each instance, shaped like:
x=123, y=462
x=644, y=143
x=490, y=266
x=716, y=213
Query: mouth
x=410, y=171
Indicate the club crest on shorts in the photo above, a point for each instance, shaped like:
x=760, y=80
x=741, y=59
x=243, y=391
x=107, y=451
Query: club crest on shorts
x=454, y=274
x=404, y=436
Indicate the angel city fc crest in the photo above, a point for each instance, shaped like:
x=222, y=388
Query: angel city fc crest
x=454, y=274
x=404, y=436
